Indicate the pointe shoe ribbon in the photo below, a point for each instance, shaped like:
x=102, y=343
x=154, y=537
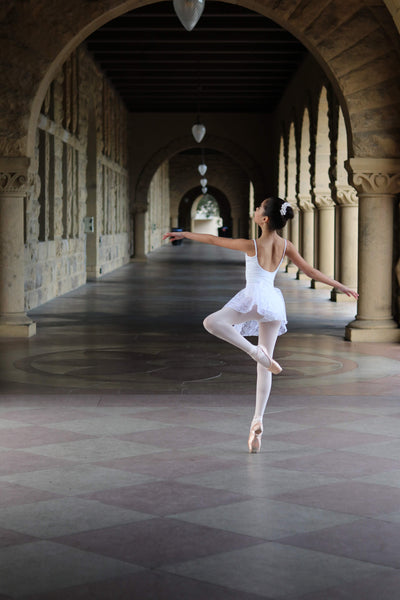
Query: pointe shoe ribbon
x=262, y=357
x=254, y=441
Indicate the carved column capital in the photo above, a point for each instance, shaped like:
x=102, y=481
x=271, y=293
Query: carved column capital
x=374, y=175
x=305, y=203
x=14, y=180
x=293, y=203
x=323, y=199
x=346, y=195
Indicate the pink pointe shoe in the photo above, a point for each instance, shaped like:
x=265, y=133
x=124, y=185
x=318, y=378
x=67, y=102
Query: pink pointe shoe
x=254, y=441
x=261, y=356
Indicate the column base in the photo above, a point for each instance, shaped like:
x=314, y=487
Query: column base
x=317, y=285
x=290, y=268
x=372, y=331
x=337, y=296
x=17, y=326
x=138, y=259
x=300, y=276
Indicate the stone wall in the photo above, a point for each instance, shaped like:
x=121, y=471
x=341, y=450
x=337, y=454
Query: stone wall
x=78, y=170
x=157, y=217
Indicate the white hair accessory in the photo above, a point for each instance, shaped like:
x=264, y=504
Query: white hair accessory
x=284, y=208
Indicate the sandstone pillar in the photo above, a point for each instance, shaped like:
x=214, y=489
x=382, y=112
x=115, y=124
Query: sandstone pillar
x=377, y=182
x=306, y=231
x=325, y=254
x=293, y=233
x=347, y=205
x=140, y=232
x=13, y=186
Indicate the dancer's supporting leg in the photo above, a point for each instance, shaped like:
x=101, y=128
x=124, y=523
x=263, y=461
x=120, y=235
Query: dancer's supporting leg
x=268, y=333
x=221, y=324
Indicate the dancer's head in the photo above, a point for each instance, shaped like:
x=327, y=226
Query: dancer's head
x=278, y=212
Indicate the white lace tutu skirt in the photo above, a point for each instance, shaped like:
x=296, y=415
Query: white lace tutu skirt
x=267, y=300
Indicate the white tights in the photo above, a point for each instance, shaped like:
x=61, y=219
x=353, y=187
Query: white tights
x=221, y=324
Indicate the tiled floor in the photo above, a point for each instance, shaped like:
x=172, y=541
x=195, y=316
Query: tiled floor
x=124, y=471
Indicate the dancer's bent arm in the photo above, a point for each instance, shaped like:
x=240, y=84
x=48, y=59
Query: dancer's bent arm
x=308, y=270
x=240, y=244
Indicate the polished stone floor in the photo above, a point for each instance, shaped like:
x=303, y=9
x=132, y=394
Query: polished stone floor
x=124, y=470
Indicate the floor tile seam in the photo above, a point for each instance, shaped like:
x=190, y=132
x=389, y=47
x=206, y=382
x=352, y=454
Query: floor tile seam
x=363, y=450
x=311, y=506
x=339, y=555
x=347, y=427
x=74, y=494
x=224, y=588
x=254, y=539
x=254, y=542
x=53, y=542
x=341, y=452
x=310, y=551
x=263, y=538
x=27, y=451
x=93, y=501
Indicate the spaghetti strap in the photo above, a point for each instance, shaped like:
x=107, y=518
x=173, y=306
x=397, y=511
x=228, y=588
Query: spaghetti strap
x=255, y=246
x=283, y=255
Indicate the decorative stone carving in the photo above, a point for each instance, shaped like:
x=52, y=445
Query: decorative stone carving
x=346, y=195
x=293, y=204
x=323, y=200
x=12, y=182
x=305, y=203
x=374, y=176
x=14, y=176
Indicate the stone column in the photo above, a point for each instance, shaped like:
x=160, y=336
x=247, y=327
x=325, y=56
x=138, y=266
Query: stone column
x=325, y=254
x=293, y=230
x=377, y=182
x=306, y=232
x=347, y=205
x=139, y=213
x=13, y=186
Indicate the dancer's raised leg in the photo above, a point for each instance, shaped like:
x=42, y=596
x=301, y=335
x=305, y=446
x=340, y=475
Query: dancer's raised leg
x=221, y=324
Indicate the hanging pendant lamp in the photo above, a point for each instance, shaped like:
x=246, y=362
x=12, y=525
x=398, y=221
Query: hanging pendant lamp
x=204, y=190
x=203, y=182
x=198, y=131
x=202, y=169
x=188, y=12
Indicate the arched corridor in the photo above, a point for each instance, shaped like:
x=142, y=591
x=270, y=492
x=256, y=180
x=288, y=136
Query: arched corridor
x=124, y=469
x=343, y=87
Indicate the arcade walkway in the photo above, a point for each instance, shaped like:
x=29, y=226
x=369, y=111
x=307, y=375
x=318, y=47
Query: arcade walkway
x=124, y=470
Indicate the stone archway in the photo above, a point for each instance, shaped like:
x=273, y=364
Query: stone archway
x=27, y=73
x=234, y=151
x=356, y=50
x=186, y=203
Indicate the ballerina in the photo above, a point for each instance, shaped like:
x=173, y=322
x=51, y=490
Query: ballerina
x=259, y=308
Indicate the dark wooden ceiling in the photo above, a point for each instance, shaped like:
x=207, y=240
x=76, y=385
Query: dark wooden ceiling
x=234, y=60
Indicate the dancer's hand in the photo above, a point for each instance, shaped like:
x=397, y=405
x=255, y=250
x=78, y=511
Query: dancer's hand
x=173, y=235
x=348, y=291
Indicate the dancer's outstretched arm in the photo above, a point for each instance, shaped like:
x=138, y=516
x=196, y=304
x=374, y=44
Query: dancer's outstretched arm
x=308, y=270
x=233, y=244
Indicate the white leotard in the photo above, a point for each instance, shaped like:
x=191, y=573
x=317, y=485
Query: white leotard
x=260, y=294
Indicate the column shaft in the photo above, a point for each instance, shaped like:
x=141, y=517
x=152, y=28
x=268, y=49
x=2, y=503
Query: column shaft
x=377, y=182
x=13, y=183
x=325, y=252
x=293, y=229
x=348, y=241
x=306, y=246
